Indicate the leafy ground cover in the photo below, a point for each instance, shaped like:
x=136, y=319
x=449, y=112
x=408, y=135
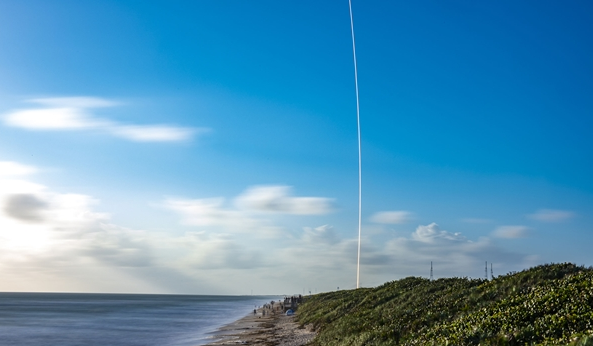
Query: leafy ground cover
x=550, y=304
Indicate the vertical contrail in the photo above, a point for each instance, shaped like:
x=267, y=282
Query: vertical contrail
x=359, y=151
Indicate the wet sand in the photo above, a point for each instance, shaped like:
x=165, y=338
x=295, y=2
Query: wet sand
x=269, y=330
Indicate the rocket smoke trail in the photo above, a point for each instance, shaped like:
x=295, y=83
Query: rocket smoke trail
x=359, y=151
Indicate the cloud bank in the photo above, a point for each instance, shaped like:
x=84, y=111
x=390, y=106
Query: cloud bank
x=53, y=241
x=75, y=114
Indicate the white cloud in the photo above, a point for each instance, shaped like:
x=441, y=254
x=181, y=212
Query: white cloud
x=74, y=113
x=52, y=119
x=432, y=231
x=277, y=199
x=11, y=168
x=511, y=232
x=392, y=217
x=552, y=215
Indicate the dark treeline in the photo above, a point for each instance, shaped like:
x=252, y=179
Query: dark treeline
x=546, y=305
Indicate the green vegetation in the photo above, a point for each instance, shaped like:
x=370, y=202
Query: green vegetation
x=545, y=305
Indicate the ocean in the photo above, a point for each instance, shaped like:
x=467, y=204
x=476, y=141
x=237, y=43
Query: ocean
x=69, y=319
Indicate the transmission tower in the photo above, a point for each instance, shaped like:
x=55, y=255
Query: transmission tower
x=431, y=277
x=491, y=272
x=486, y=271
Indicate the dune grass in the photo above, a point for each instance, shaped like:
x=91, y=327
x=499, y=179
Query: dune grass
x=546, y=305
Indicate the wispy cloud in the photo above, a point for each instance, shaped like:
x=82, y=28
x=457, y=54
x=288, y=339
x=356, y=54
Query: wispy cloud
x=75, y=113
x=220, y=252
x=475, y=220
x=511, y=232
x=322, y=234
x=76, y=102
x=551, y=215
x=392, y=217
x=278, y=199
x=212, y=212
x=157, y=133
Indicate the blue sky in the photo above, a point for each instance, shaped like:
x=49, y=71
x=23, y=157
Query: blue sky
x=210, y=146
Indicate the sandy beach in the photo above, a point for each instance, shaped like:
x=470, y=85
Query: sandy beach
x=269, y=329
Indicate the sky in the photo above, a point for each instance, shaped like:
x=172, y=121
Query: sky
x=210, y=147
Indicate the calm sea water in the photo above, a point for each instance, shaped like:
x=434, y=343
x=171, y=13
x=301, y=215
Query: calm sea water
x=117, y=319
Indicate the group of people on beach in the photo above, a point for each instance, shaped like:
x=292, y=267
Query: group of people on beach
x=270, y=308
x=296, y=299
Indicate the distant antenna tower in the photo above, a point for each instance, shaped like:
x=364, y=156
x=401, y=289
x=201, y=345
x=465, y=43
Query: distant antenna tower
x=486, y=270
x=491, y=272
x=431, y=271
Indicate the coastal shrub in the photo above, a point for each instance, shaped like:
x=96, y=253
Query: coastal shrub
x=550, y=304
